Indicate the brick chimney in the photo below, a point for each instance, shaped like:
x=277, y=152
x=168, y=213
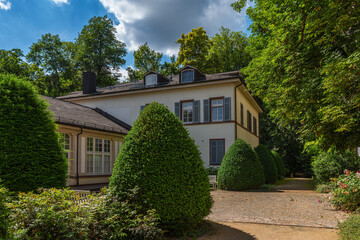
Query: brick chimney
x=89, y=82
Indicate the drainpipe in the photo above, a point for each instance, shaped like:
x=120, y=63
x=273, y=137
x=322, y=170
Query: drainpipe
x=77, y=157
x=236, y=122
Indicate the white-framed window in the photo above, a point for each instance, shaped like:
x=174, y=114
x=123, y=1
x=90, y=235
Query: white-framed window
x=65, y=142
x=98, y=155
x=187, y=76
x=217, y=151
x=187, y=112
x=151, y=80
x=217, y=110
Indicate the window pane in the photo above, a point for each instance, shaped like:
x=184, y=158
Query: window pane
x=187, y=112
x=98, y=145
x=90, y=144
x=217, y=109
x=187, y=76
x=151, y=80
x=89, y=163
x=216, y=151
x=98, y=163
x=106, y=145
x=106, y=163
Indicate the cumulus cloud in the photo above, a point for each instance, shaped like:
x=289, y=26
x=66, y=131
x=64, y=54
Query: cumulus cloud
x=60, y=2
x=5, y=5
x=161, y=22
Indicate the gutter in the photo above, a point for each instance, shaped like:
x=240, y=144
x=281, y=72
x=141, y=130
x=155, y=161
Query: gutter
x=77, y=156
x=236, y=126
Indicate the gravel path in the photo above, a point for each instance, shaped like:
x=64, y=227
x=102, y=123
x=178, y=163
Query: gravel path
x=291, y=204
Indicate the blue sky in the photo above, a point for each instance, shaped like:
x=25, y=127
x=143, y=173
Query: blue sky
x=158, y=22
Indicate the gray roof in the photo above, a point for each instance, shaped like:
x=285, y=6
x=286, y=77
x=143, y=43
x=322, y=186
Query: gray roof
x=139, y=85
x=73, y=114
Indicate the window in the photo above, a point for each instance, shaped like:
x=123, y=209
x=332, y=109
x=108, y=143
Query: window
x=255, y=125
x=217, y=110
x=65, y=142
x=187, y=76
x=151, y=80
x=217, y=151
x=187, y=112
x=249, y=121
x=98, y=152
x=242, y=114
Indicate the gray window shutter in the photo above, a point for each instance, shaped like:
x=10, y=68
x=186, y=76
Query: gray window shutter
x=227, y=109
x=206, y=110
x=177, y=109
x=196, y=107
x=142, y=107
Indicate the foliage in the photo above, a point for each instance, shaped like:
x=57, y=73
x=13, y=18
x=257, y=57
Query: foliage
x=305, y=62
x=160, y=158
x=169, y=68
x=146, y=59
x=4, y=212
x=31, y=155
x=99, y=50
x=333, y=163
x=228, y=50
x=279, y=164
x=212, y=171
x=268, y=163
x=194, y=48
x=55, y=57
x=240, y=168
x=350, y=228
x=345, y=192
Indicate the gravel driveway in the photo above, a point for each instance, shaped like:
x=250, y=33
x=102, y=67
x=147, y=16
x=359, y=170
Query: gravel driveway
x=291, y=204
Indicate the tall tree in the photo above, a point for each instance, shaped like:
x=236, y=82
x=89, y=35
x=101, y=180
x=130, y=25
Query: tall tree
x=229, y=51
x=169, y=68
x=55, y=58
x=306, y=65
x=100, y=51
x=194, y=48
x=146, y=59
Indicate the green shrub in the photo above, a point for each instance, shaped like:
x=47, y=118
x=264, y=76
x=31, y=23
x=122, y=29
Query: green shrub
x=346, y=191
x=160, y=158
x=332, y=163
x=268, y=163
x=4, y=212
x=31, y=155
x=212, y=171
x=240, y=168
x=350, y=228
x=279, y=164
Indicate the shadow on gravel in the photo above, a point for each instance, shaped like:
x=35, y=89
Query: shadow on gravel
x=223, y=232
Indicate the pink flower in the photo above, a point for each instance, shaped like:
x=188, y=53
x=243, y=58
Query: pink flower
x=347, y=172
x=319, y=201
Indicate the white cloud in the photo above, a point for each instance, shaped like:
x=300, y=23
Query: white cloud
x=5, y=5
x=161, y=22
x=60, y=2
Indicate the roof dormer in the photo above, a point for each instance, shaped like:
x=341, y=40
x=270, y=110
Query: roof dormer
x=190, y=74
x=152, y=79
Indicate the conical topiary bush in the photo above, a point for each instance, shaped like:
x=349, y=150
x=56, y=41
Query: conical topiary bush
x=268, y=163
x=240, y=168
x=30, y=154
x=280, y=164
x=159, y=157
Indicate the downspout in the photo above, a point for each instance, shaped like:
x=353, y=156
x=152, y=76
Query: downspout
x=236, y=122
x=77, y=156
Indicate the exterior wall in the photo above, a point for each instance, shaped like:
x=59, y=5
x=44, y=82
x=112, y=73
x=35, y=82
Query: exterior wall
x=242, y=131
x=126, y=106
x=116, y=141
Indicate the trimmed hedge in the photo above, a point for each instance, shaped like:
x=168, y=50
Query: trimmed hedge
x=160, y=158
x=268, y=163
x=240, y=168
x=279, y=164
x=350, y=229
x=333, y=163
x=31, y=156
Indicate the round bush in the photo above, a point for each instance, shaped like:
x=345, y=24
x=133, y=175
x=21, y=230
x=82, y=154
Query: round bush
x=333, y=163
x=279, y=164
x=159, y=157
x=268, y=163
x=31, y=156
x=350, y=229
x=240, y=168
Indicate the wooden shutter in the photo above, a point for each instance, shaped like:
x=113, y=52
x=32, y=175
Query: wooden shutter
x=177, y=109
x=227, y=109
x=242, y=114
x=196, y=108
x=206, y=110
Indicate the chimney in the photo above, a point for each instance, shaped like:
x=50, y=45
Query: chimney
x=89, y=82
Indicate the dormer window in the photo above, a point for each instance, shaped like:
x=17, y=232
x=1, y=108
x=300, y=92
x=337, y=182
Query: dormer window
x=151, y=80
x=187, y=76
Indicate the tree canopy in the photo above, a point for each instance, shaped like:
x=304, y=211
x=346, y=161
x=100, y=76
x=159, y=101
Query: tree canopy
x=305, y=65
